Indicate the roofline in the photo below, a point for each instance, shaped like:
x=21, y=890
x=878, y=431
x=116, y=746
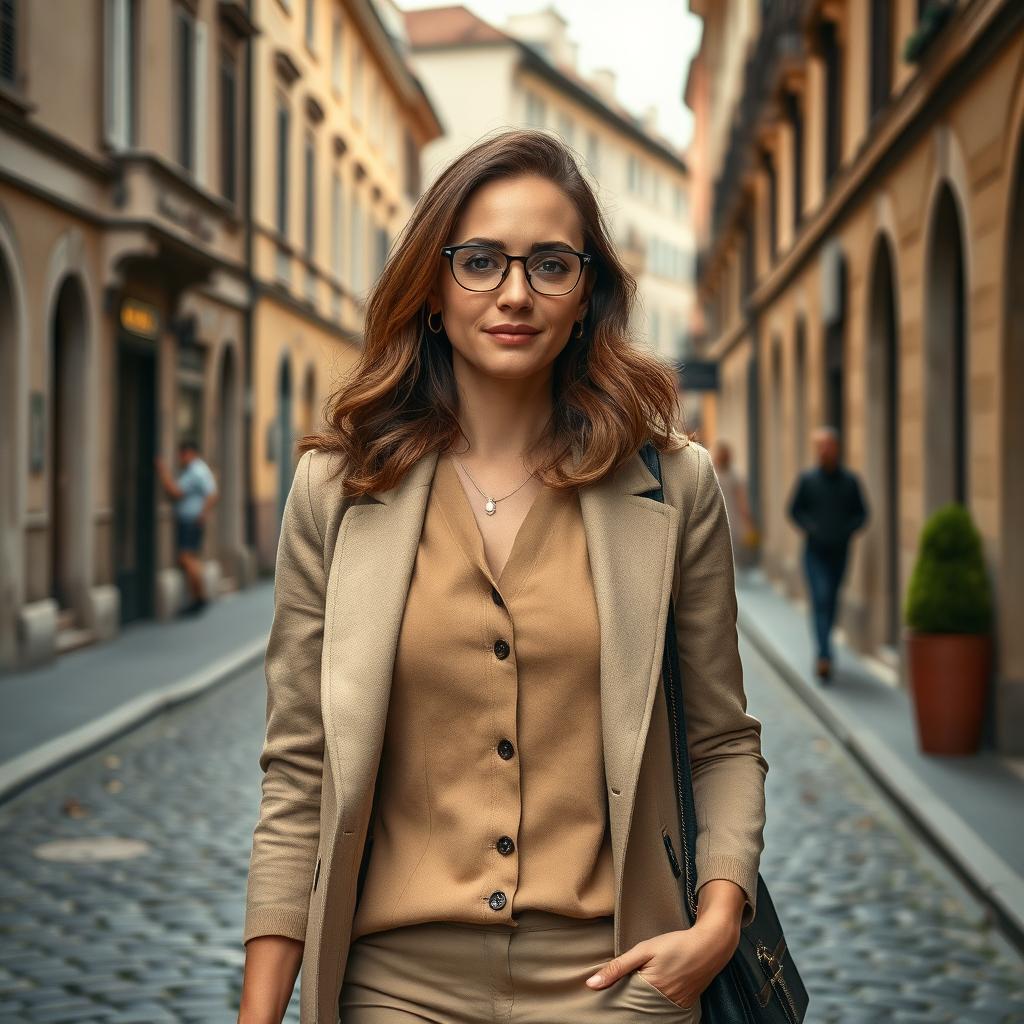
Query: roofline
x=534, y=61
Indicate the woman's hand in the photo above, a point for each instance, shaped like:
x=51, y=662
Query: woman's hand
x=679, y=964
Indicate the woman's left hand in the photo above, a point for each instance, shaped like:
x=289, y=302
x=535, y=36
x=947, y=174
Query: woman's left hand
x=679, y=964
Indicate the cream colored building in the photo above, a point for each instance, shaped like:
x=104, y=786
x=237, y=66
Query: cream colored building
x=339, y=124
x=862, y=263
x=122, y=306
x=483, y=78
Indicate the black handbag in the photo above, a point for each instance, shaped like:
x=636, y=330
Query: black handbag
x=760, y=984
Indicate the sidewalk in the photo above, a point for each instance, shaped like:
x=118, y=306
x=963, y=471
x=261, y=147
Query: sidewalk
x=971, y=808
x=58, y=712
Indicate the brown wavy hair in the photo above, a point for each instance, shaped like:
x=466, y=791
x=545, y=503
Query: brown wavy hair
x=399, y=402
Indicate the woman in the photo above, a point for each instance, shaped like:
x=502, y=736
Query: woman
x=468, y=808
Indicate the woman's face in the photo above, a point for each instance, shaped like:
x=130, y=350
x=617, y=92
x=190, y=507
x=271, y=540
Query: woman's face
x=516, y=213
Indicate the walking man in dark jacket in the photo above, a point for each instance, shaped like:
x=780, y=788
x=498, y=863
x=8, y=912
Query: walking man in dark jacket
x=828, y=506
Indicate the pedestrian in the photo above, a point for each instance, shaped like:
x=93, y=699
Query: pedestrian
x=466, y=727
x=827, y=504
x=734, y=490
x=194, y=493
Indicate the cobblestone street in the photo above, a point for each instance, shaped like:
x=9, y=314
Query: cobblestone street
x=881, y=931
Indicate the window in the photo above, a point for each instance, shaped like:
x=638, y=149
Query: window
x=357, y=256
x=881, y=36
x=120, y=68
x=186, y=89
x=375, y=119
x=337, y=54
x=832, y=55
x=357, y=83
x=336, y=224
x=593, y=153
x=310, y=197
x=412, y=167
x=9, y=42
x=383, y=244
x=228, y=127
x=773, y=203
x=632, y=174
x=794, y=112
x=536, y=110
x=283, y=129
x=565, y=127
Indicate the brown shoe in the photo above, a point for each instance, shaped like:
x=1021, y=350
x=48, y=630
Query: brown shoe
x=823, y=668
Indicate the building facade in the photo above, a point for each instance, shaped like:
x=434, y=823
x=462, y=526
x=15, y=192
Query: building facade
x=122, y=297
x=528, y=70
x=158, y=283
x=340, y=121
x=861, y=265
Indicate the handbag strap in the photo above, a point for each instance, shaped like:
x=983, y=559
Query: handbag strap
x=672, y=680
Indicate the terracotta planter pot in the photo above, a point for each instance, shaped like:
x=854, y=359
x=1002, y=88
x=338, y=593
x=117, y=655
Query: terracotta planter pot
x=948, y=681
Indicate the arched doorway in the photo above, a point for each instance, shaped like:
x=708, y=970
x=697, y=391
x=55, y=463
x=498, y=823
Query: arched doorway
x=285, y=465
x=883, y=435
x=229, y=464
x=68, y=354
x=10, y=546
x=834, y=312
x=945, y=344
x=800, y=394
x=309, y=409
x=1011, y=573
x=775, y=459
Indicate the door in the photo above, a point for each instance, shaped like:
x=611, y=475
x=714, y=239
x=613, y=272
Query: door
x=135, y=480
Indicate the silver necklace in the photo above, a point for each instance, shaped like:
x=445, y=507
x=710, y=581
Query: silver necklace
x=491, y=505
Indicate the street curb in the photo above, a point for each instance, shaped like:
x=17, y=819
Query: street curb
x=986, y=874
x=20, y=772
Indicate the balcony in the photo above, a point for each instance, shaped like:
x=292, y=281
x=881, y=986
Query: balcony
x=780, y=43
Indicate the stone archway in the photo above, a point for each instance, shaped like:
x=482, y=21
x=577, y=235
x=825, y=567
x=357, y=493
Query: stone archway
x=67, y=463
x=11, y=469
x=800, y=430
x=883, y=447
x=946, y=419
x=285, y=462
x=229, y=465
x=310, y=416
x=1011, y=572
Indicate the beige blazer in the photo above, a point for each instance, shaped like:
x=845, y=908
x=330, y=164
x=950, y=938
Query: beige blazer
x=343, y=571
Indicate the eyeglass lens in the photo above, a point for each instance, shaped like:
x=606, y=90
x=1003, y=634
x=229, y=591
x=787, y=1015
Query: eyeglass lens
x=551, y=271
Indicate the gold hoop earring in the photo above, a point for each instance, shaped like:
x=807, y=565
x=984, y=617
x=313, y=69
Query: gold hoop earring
x=579, y=324
x=440, y=323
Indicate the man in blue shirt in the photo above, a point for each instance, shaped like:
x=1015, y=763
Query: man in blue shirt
x=828, y=506
x=194, y=493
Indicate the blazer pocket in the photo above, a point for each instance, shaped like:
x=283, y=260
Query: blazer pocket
x=316, y=873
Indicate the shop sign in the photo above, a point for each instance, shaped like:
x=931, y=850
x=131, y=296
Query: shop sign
x=140, y=318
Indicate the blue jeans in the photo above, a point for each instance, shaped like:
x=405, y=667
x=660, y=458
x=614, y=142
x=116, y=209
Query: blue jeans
x=824, y=569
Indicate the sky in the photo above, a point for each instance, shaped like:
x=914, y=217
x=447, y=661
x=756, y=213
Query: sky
x=647, y=43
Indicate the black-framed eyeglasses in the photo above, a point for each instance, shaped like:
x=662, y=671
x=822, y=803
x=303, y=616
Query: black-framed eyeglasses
x=482, y=268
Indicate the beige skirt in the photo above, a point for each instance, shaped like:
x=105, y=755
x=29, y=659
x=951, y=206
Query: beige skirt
x=533, y=973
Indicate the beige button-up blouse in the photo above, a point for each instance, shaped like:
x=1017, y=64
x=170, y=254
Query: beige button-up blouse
x=492, y=791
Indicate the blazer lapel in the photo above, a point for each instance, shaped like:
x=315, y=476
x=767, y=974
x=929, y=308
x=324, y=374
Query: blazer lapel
x=631, y=544
x=366, y=590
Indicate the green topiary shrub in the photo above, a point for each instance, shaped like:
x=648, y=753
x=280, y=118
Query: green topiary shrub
x=949, y=588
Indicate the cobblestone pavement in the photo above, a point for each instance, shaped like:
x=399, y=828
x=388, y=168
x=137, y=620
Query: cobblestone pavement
x=881, y=931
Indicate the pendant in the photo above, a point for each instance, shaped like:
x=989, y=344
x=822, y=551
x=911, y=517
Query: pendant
x=490, y=508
